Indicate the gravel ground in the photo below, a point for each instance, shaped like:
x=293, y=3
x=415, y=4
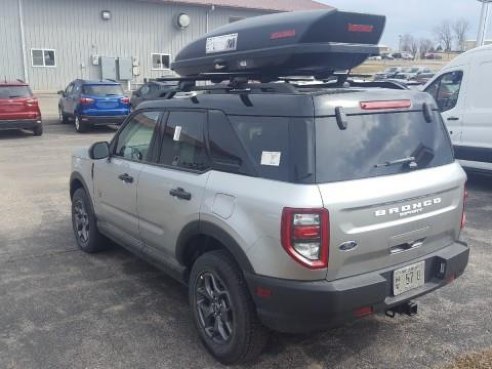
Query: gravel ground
x=61, y=308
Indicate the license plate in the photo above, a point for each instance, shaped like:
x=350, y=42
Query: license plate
x=408, y=278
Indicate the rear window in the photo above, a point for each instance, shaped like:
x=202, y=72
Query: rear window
x=11, y=92
x=370, y=140
x=102, y=90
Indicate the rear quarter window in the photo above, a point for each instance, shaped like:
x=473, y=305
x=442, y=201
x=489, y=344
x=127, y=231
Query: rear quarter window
x=372, y=139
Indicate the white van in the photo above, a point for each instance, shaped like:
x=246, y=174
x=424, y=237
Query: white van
x=463, y=92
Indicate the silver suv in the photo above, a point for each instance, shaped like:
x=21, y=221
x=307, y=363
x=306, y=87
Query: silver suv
x=281, y=206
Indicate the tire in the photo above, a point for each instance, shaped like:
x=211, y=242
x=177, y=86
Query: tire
x=79, y=126
x=38, y=130
x=62, y=117
x=84, y=224
x=219, y=296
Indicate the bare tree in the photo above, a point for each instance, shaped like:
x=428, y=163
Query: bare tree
x=409, y=44
x=425, y=46
x=444, y=35
x=460, y=29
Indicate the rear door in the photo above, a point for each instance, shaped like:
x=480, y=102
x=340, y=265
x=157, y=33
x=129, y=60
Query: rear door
x=116, y=179
x=16, y=103
x=382, y=214
x=170, y=194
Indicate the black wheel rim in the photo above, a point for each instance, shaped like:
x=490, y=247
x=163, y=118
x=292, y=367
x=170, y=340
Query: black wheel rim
x=81, y=218
x=214, y=308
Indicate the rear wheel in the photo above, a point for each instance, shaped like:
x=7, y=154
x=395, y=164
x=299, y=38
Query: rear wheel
x=84, y=224
x=38, y=130
x=223, y=310
x=79, y=126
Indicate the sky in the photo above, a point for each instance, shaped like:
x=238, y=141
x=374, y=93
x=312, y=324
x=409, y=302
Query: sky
x=416, y=17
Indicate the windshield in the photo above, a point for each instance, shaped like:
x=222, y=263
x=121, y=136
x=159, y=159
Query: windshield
x=102, y=90
x=373, y=139
x=12, y=92
x=413, y=70
x=391, y=70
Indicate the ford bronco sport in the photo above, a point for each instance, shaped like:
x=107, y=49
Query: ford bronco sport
x=282, y=205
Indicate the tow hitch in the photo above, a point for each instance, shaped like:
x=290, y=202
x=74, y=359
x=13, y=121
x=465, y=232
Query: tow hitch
x=409, y=308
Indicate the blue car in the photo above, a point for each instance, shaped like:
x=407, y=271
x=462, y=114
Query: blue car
x=93, y=103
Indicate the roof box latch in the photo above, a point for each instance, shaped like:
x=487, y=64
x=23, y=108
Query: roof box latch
x=341, y=118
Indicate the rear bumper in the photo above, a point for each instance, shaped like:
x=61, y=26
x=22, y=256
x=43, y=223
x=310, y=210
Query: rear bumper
x=102, y=120
x=19, y=124
x=296, y=306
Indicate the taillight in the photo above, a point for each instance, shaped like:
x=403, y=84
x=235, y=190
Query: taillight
x=306, y=236
x=32, y=102
x=463, y=214
x=125, y=100
x=86, y=100
x=385, y=104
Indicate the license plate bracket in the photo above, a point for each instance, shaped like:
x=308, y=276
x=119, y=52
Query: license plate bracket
x=408, y=278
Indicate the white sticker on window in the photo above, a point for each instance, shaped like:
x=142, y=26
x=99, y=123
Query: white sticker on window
x=177, y=133
x=271, y=158
x=220, y=44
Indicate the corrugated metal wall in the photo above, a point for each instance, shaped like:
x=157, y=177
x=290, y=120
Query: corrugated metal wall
x=10, y=41
x=75, y=29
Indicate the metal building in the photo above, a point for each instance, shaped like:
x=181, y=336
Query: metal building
x=51, y=42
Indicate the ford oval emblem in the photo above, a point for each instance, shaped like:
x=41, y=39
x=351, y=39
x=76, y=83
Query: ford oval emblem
x=348, y=246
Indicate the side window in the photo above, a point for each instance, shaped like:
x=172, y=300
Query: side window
x=69, y=89
x=76, y=90
x=446, y=90
x=225, y=148
x=135, y=139
x=266, y=139
x=183, y=143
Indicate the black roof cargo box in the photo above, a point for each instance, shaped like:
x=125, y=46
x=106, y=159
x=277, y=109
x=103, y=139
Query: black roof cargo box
x=296, y=43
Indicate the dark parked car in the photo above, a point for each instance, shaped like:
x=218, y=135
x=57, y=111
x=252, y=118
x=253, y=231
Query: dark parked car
x=19, y=108
x=150, y=91
x=90, y=103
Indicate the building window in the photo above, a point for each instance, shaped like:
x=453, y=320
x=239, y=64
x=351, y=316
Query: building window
x=160, y=61
x=43, y=58
x=235, y=19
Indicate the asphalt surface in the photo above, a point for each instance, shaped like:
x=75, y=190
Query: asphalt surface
x=61, y=308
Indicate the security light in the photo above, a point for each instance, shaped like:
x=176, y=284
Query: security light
x=183, y=20
x=106, y=15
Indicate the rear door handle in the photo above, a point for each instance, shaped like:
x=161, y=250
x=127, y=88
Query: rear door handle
x=453, y=118
x=125, y=177
x=180, y=193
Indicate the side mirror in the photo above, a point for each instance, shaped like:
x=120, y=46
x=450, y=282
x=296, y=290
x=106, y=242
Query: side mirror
x=61, y=92
x=99, y=150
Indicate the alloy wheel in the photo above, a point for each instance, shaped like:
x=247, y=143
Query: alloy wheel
x=213, y=304
x=82, y=226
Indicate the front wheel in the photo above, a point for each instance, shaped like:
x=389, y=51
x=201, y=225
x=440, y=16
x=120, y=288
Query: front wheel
x=223, y=310
x=84, y=224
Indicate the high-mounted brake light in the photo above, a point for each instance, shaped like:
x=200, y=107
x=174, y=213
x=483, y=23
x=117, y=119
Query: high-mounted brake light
x=306, y=236
x=385, y=104
x=288, y=33
x=86, y=100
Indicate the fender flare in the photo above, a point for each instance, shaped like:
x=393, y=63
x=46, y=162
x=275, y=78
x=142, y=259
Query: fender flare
x=209, y=229
x=77, y=176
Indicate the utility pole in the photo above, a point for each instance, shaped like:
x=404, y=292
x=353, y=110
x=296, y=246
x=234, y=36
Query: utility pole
x=484, y=20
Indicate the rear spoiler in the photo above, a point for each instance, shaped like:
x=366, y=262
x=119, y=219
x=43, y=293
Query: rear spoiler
x=313, y=43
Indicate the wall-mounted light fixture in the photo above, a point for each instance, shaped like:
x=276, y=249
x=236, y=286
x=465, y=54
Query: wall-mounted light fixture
x=106, y=15
x=183, y=20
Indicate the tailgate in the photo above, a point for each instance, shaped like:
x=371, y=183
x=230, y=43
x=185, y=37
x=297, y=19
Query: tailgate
x=392, y=219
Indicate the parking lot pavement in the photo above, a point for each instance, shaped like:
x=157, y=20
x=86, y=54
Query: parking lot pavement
x=61, y=308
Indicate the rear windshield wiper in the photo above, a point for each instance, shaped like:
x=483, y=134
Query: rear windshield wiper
x=412, y=164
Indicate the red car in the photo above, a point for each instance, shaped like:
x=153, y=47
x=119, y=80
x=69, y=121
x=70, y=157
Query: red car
x=19, y=108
